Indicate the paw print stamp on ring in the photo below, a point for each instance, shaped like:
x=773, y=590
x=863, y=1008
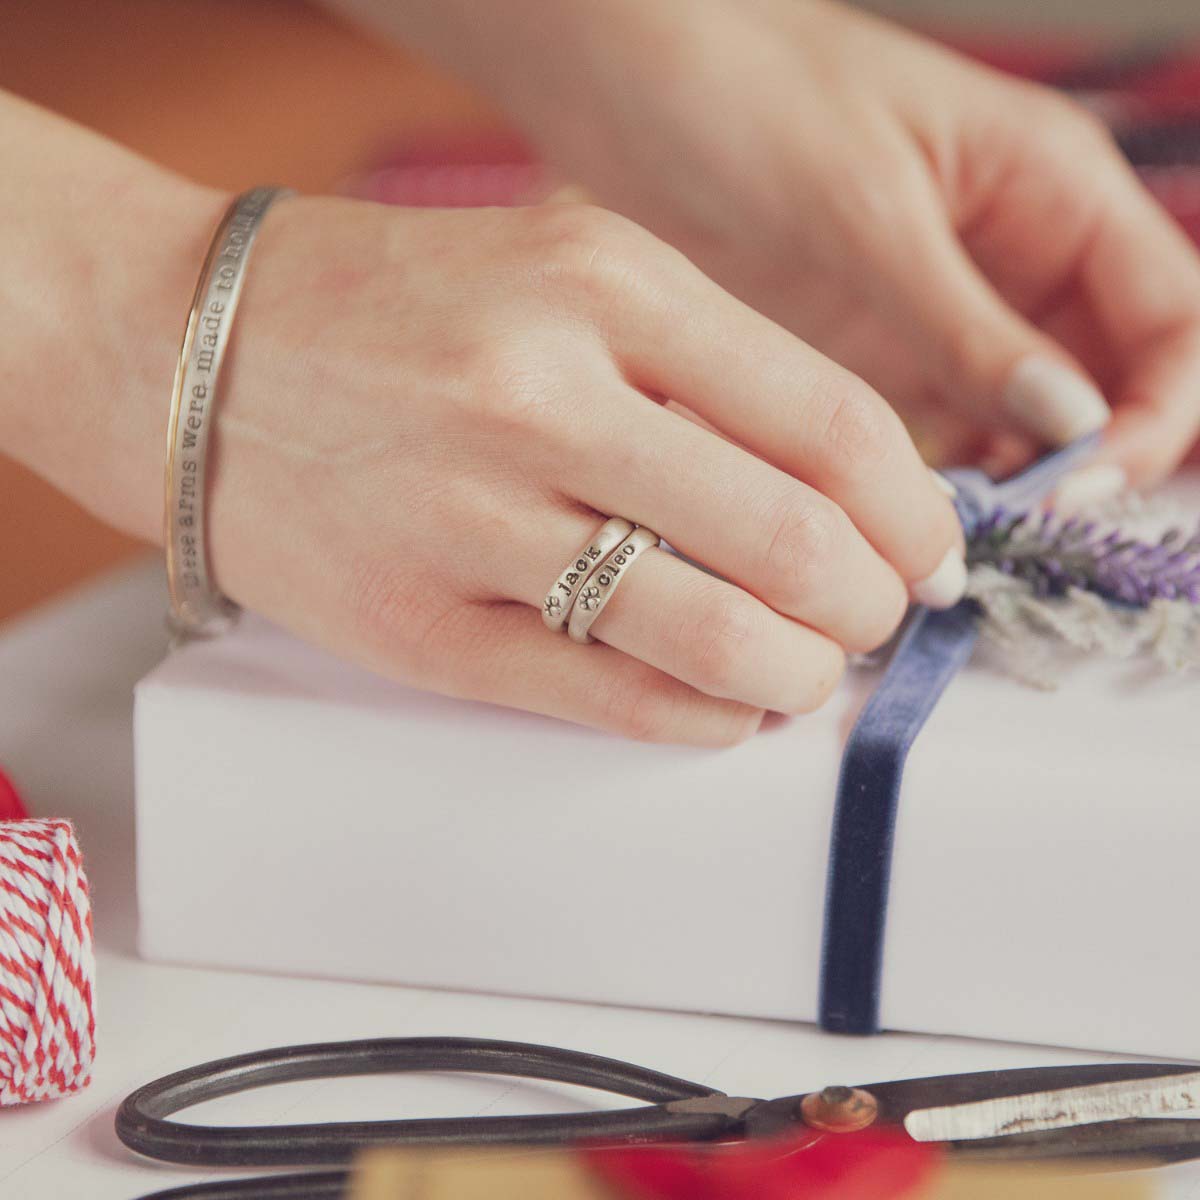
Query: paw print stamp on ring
x=576, y=575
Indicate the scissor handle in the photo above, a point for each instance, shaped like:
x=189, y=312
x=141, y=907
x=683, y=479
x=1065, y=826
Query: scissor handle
x=142, y=1125
x=304, y=1185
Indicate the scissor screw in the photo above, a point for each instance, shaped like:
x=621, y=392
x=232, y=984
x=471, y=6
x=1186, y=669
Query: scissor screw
x=839, y=1109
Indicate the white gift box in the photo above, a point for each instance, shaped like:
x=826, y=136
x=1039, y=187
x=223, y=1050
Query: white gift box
x=299, y=815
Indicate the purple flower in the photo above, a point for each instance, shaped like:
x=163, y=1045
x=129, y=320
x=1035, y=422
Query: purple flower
x=1052, y=555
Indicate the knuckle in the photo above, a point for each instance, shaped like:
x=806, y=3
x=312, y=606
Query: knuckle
x=859, y=201
x=893, y=606
x=1065, y=125
x=1091, y=129
x=1148, y=464
x=399, y=616
x=713, y=638
x=513, y=390
x=575, y=225
x=639, y=707
x=801, y=545
x=1081, y=123
x=580, y=238
x=594, y=255
x=382, y=602
x=740, y=725
x=860, y=431
x=825, y=673
x=968, y=343
x=889, y=605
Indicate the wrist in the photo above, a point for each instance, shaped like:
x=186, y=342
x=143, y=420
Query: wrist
x=100, y=264
x=176, y=222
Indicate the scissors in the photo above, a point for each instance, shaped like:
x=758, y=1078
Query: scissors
x=1108, y=1115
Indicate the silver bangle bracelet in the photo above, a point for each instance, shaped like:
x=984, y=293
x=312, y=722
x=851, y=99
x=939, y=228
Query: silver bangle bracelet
x=198, y=609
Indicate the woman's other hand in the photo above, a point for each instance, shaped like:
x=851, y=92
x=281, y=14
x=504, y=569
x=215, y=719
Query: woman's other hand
x=971, y=244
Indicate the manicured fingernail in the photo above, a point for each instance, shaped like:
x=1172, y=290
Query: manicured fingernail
x=1054, y=401
x=946, y=585
x=1088, y=486
x=943, y=484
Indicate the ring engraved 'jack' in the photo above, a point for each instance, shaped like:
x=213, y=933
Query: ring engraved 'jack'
x=597, y=592
x=557, y=605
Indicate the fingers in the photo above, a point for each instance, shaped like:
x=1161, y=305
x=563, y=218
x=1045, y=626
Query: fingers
x=1141, y=282
x=517, y=662
x=699, y=629
x=779, y=539
x=1135, y=266
x=718, y=638
x=779, y=398
x=983, y=356
x=1156, y=425
x=1074, y=240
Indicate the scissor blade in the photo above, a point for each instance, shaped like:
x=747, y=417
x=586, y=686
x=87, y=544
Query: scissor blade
x=1063, y=1108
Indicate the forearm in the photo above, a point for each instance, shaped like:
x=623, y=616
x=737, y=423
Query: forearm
x=538, y=59
x=98, y=253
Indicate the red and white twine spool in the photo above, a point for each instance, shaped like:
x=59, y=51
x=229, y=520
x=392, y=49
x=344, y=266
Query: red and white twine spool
x=47, y=967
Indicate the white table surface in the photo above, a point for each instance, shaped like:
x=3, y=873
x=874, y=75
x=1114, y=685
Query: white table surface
x=66, y=678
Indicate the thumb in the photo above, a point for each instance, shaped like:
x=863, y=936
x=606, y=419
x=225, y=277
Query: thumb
x=980, y=353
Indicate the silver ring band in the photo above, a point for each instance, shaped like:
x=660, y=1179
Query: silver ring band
x=556, y=608
x=590, y=602
x=197, y=608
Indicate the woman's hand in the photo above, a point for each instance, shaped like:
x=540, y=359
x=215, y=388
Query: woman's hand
x=426, y=414
x=423, y=416
x=971, y=244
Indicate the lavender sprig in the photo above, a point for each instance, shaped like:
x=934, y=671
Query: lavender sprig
x=1054, y=555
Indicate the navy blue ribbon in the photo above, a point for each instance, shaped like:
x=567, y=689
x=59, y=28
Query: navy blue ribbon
x=929, y=655
x=935, y=646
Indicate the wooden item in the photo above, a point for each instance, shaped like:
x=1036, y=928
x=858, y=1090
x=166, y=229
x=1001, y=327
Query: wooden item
x=553, y=1175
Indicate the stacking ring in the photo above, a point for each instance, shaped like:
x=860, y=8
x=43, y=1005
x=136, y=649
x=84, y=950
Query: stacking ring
x=598, y=589
x=556, y=608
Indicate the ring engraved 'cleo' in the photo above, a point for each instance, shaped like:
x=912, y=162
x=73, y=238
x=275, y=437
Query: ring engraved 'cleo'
x=598, y=590
x=557, y=605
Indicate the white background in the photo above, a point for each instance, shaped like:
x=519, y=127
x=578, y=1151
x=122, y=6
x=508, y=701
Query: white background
x=66, y=676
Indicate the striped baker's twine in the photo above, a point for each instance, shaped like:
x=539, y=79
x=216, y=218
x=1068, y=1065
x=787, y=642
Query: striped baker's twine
x=47, y=968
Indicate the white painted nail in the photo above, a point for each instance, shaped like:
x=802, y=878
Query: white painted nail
x=1089, y=486
x=943, y=484
x=946, y=585
x=1054, y=401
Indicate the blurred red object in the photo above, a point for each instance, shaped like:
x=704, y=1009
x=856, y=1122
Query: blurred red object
x=873, y=1165
x=1150, y=96
x=468, y=173
x=11, y=807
